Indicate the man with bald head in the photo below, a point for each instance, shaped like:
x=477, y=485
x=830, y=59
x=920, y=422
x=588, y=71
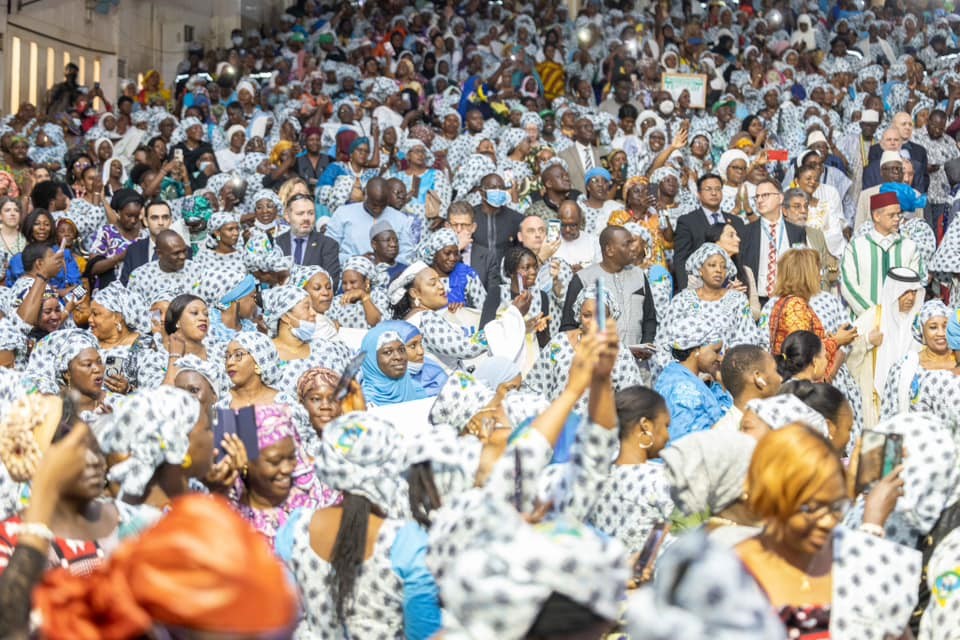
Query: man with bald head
x=582, y=155
x=625, y=283
x=172, y=272
x=902, y=125
x=350, y=224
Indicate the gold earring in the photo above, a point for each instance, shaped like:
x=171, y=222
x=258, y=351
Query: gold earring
x=119, y=327
x=416, y=302
x=257, y=370
x=187, y=461
x=649, y=444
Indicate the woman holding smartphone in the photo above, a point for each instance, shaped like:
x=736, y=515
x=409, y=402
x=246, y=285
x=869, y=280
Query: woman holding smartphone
x=810, y=565
x=118, y=319
x=520, y=266
x=550, y=372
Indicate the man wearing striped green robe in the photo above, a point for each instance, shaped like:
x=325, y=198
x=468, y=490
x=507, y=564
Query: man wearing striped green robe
x=869, y=257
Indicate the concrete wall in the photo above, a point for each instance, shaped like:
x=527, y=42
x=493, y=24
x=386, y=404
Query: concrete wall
x=42, y=38
x=136, y=36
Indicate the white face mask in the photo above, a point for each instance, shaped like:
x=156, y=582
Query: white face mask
x=237, y=40
x=304, y=332
x=414, y=367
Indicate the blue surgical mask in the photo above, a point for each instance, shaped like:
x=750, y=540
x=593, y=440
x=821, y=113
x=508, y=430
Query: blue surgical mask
x=414, y=367
x=496, y=197
x=304, y=332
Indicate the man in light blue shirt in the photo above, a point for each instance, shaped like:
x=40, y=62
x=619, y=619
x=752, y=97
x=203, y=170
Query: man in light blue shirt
x=350, y=224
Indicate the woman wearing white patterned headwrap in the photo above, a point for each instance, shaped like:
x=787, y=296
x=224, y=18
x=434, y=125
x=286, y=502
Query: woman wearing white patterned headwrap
x=733, y=167
x=468, y=177
x=901, y=384
x=419, y=297
x=118, y=318
x=512, y=152
x=363, y=302
x=420, y=178
x=654, y=141
x=501, y=577
x=441, y=250
x=166, y=440
x=269, y=213
x=230, y=155
x=389, y=593
x=549, y=374
x=695, y=404
x=251, y=364
x=825, y=208
x=88, y=212
x=727, y=310
x=290, y=318
x=319, y=286
x=70, y=359
x=224, y=247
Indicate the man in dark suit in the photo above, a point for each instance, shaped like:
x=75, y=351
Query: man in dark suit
x=304, y=243
x=691, y=231
x=582, y=155
x=903, y=127
x=156, y=218
x=768, y=238
x=476, y=256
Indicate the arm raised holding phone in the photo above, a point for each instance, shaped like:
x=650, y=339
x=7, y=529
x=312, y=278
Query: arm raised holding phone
x=42, y=271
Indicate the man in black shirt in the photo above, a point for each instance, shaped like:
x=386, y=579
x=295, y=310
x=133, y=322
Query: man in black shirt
x=497, y=223
x=64, y=95
x=556, y=189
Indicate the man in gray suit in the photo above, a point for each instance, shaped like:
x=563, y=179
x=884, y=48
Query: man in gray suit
x=305, y=244
x=582, y=155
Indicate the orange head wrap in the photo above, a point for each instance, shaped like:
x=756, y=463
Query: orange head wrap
x=201, y=567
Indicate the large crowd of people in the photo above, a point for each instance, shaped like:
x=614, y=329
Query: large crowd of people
x=480, y=319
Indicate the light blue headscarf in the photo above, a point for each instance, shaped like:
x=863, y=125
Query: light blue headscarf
x=431, y=376
x=953, y=331
x=378, y=388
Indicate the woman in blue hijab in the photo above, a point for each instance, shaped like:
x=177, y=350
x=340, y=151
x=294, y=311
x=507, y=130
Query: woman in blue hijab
x=424, y=371
x=386, y=379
